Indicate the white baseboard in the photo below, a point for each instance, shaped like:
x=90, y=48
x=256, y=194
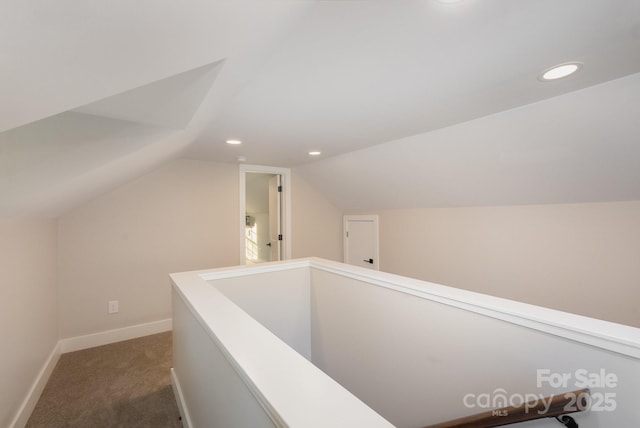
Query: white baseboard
x=30, y=401
x=177, y=391
x=111, y=336
x=76, y=344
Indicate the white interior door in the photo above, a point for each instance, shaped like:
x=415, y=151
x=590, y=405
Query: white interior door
x=275, y=218
x=361, y=241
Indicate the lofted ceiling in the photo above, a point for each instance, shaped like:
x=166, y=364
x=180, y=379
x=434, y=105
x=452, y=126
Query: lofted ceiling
x=412, y=102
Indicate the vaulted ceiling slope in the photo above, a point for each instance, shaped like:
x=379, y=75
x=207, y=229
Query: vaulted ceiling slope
x=577, y=148
x=95, y=93
x=352, y=74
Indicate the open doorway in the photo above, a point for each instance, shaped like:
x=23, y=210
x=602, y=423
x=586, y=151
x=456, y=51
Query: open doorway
x=264, y=207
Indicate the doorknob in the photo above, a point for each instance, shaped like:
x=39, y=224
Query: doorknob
x=268, y=244
x=368, y=261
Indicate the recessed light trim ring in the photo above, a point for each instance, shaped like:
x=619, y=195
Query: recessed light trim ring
x=560, y=71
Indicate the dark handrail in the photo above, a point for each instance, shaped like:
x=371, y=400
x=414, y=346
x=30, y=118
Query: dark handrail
x=548, y=407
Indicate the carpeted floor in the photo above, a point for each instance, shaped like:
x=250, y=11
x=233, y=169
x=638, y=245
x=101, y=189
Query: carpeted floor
x=124, y=384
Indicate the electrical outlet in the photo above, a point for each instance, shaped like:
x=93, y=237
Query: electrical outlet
x=113, y=306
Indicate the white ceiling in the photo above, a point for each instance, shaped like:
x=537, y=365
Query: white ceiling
x=577, y=148
x=169, y=102
x=387, y=89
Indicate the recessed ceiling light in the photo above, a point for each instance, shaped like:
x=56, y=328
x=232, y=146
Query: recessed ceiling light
x=560, y=71
x=315, y=153
x=233, y=142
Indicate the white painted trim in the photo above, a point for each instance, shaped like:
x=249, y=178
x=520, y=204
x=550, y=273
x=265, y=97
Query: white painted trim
x=177, y=392
x=111, y=336
x=76, y=344
x=286, y=211
x=292, y=391
x=345, y=241
x=30, y=401
x=261, y=360
x=253, y=269
x=619, y=338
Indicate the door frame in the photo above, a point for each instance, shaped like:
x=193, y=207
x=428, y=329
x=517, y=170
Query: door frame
x=363, y=217
x=286, y=206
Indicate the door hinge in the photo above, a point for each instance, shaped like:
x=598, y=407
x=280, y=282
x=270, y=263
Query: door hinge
x=280, y=237
x=280, y=188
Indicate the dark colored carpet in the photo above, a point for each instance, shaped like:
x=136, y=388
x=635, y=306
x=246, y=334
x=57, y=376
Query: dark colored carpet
x=124, y=384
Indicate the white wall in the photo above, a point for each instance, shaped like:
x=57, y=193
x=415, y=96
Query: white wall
x=58, y=275
x=217, y=342
x=182, y=216
x=282, y=306
x=122, y=245
x=29, y=319
x=412, y=351
x=580, y=258
x=526, y=245
x=414, y=359
x=316, y=222
x=200, y=367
